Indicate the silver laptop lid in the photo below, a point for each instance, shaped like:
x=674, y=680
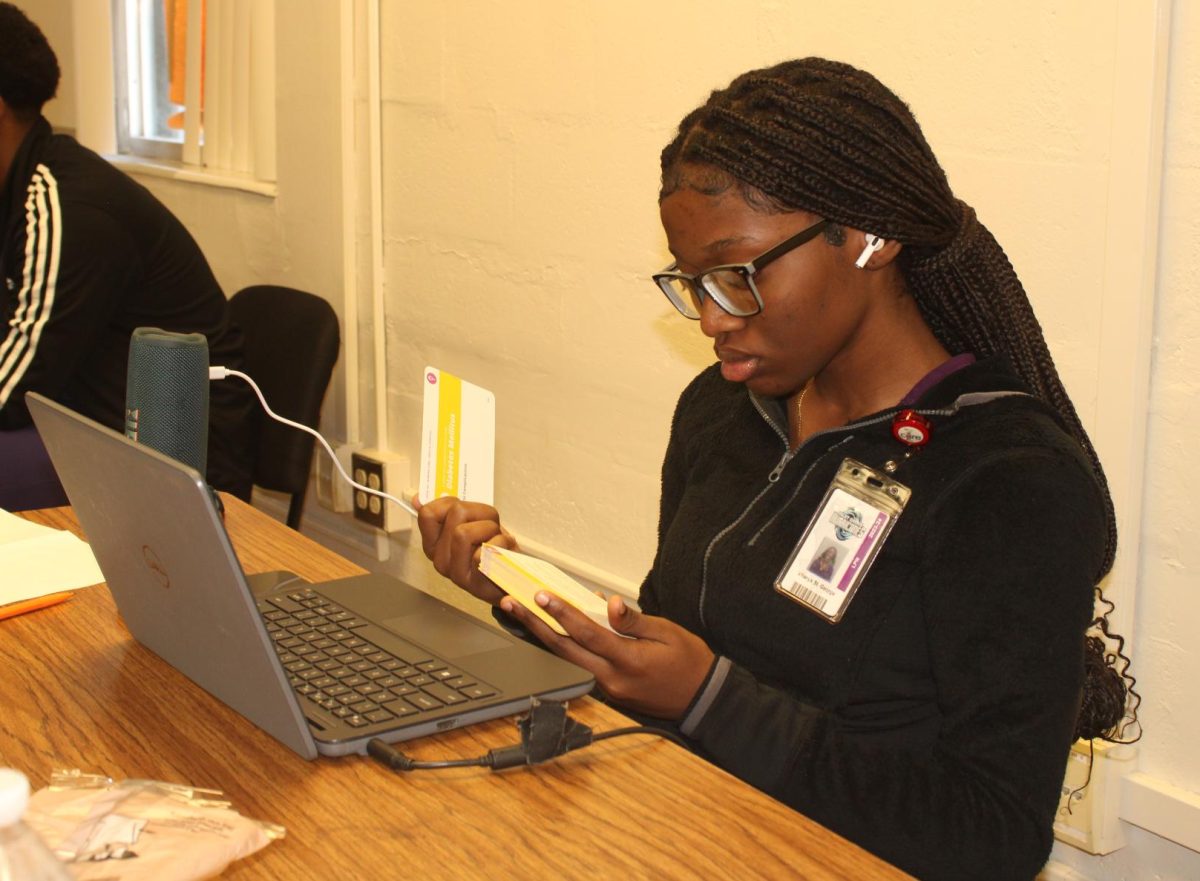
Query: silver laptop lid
x=158, y=537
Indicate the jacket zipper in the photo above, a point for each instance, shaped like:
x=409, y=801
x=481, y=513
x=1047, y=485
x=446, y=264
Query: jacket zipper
x=797, y=488
x=777, y=472
x=772, y=478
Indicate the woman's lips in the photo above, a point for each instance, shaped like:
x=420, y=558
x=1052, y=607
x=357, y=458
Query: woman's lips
x=737, y=366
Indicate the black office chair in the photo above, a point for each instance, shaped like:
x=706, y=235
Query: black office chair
x=292, y=342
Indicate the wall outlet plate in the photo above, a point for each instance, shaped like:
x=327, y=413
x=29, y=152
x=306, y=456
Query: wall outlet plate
x=386, y=472
x=1088, y=816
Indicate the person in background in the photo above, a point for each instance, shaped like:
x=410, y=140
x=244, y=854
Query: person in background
x=880, y=367
x=86, y=256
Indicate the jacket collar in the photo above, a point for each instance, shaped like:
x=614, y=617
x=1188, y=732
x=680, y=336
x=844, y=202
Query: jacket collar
x=12, y=200
x=989, y=375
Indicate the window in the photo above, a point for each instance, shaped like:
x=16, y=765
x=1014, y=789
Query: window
x=151, y=76
x=195, y=83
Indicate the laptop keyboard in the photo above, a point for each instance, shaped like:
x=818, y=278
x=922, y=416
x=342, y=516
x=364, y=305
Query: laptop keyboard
x=329, y=662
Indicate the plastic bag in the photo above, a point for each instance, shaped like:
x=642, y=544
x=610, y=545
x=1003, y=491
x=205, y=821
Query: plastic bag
x=142, y=830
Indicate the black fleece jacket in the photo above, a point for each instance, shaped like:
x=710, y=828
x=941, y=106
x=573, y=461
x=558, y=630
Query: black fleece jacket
x=87, y=255
x=932, y=724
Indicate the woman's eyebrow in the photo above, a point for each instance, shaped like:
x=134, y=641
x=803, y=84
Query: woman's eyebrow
x=721, y=244
x=715, y=246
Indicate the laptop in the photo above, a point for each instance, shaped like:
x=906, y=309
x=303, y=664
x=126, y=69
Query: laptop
x=323, y=668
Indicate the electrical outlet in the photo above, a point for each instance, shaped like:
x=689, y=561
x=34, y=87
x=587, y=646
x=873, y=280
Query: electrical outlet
x=368, y=471
x=385, y=472
x=1088, y=817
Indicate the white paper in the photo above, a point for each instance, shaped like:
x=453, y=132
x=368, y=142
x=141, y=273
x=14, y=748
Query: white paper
x=458, y=439
x=37, y=560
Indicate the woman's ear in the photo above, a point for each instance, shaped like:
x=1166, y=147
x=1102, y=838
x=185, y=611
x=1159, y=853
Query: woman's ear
x=877, y=252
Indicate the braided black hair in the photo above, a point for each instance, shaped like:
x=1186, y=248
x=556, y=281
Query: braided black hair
x=29, y=71
x=830, y=139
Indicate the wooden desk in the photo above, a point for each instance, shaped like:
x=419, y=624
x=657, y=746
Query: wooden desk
x=78, y=692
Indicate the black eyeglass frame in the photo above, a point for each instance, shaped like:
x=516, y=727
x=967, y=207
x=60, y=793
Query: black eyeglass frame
x=699, y=284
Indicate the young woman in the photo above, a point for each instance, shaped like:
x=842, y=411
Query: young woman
x=883, y=389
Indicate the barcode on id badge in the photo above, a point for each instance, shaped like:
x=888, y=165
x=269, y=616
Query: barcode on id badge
x=812, y=598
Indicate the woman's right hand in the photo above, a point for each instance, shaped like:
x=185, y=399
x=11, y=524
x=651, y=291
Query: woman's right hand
x=452, y=535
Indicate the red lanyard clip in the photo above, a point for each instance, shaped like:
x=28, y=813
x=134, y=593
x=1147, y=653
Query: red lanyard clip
x=911, y=428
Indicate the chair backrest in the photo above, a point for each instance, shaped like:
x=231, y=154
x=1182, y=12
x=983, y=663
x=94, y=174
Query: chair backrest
x=291, y=344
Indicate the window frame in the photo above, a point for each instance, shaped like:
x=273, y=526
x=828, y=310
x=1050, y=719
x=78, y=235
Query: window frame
x=127, y=39
x=239, y=146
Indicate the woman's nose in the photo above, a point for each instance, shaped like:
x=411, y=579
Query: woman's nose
x=715, y=320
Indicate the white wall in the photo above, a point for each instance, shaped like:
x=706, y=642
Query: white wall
x=295, y=238
x=55, y=20
x=1169, y=604
x=1167, y=660
x=520, y=224
x=522, y=183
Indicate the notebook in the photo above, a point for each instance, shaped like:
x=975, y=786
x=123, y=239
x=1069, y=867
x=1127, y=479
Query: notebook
x=323, y=667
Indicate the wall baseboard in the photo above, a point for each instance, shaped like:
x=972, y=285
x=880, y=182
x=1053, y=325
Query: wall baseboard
x=1162, y=808
x=1055, y=871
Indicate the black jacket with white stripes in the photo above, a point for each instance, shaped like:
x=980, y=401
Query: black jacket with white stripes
x=87, y=255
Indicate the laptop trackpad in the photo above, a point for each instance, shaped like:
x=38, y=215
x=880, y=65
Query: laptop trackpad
x=445, y=633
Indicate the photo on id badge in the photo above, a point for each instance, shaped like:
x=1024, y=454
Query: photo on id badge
x=825, y=560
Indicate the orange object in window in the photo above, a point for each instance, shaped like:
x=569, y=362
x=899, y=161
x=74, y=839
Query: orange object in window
x=175, y=14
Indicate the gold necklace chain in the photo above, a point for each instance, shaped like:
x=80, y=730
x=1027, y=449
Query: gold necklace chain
x=800, y=413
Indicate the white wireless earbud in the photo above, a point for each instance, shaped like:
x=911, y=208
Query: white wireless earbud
x=874, y=243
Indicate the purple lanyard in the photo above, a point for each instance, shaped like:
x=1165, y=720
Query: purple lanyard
x=936, y=375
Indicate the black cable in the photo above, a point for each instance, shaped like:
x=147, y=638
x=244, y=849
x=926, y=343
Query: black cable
x=642, y=729
x=497, y=759
x=546, y=733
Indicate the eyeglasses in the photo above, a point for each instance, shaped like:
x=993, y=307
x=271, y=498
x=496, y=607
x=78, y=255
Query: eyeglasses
x=730, y=285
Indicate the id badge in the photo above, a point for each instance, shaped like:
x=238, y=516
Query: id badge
x=832, y=557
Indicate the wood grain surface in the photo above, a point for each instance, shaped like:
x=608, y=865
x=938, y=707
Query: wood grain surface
x=78, y=692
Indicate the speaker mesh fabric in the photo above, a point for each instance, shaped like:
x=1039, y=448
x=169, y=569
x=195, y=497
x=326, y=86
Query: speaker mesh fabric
x=166, y=394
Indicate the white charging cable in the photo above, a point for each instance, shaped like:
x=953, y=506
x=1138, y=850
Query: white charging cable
x=223, y=372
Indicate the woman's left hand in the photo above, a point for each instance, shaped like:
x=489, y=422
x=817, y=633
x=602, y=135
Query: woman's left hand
x=657, y=673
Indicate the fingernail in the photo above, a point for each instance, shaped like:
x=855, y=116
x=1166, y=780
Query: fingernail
x=542, y=598
x=624, y=609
